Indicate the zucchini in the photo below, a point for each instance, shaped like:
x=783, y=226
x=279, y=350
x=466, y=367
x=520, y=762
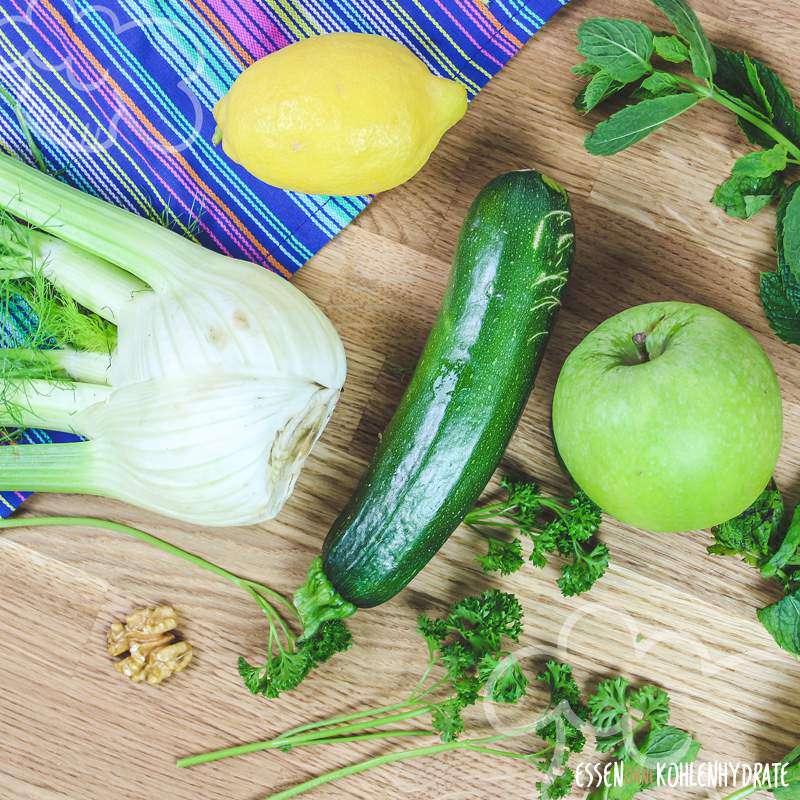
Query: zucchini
x=465, y=397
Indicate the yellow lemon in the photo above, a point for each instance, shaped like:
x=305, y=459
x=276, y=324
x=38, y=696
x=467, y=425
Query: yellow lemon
x=343, y=113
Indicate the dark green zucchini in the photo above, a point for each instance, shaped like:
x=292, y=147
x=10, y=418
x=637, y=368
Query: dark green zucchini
x=467, y=393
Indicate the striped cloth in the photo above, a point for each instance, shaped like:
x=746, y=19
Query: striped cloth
x=118, y=97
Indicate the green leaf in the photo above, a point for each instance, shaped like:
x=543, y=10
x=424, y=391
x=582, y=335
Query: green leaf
x=791, y=283
x=508, y=682
x=680, y=14
x=660, y=84
x=671, y=48
x=586, y=568
x=584, y=69
x=601, y=86
x=446, y=720
x=634, y=123
x=751, y=533
x=752, y=81
x=621, y=47
x=502, y=557
x=652, y=703
x=762, y=163
x=557, y=786
x=782, y=620
x=788, y=230
x=757, y=88
x=610, y=716
x=783, y=317
x=670, y=746
x=666, y=746
x=742, y=196
x=787, y=549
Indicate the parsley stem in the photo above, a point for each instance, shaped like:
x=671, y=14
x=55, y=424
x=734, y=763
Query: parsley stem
x=745, y=791
x=317, y=736
x=372, y=712
x=276, y=744
x=387, y=758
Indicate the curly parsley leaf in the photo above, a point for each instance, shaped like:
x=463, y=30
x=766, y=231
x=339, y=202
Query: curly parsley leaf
x=446, y=720
x=503, y=677
x=503, y=557
x=652, y=703
x=553, y=526
x=620, y=714
x=468, y=643
x=563, y=727
x=557, y=786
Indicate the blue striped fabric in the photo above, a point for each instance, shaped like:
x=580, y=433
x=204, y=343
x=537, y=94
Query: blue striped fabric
x=118, y=96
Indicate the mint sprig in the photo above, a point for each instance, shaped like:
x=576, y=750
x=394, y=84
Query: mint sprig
x=623, y=54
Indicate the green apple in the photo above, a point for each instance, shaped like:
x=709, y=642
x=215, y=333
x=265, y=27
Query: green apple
x=668, y=415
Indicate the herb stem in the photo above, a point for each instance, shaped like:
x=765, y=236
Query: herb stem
x=388, y=758
x=116, y=527
x=744, y=791
x=357, y=715
x=298, y=739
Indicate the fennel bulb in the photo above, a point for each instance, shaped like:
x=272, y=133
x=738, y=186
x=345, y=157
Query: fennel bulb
x=201, y=382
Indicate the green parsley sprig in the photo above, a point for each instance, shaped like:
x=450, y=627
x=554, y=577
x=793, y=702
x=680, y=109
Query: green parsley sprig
x=623, y=54
x=566, y=527
x=468, y=661
x=767, y=537
x=632, y=724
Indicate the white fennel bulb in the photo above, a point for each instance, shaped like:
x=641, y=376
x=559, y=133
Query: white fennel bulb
x=220, y=378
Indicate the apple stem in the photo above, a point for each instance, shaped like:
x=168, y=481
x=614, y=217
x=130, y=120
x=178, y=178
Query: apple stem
x=639, y=340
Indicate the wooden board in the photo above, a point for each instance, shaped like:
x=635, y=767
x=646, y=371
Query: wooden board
x=72, y=729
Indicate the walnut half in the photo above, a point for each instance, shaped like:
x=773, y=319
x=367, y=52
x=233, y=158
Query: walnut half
x=154, y=653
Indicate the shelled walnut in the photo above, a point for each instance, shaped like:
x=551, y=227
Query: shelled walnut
x=154, y=652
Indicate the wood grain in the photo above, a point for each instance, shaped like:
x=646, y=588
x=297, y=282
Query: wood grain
x=72, y=729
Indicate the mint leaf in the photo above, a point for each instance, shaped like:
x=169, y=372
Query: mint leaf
x=783, y=317
x=660, y=84
x=761, y=164
x=782, y=620
x=754, y=82
x=786, y=550
x=704, y=63
x=636, y=122
x=671, y=48
x=601, y=86
x=621, y=47
x=743, y=196
x=584, y=69
x=788, y=231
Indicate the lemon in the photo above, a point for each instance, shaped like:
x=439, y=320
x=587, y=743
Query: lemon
x=342, y=113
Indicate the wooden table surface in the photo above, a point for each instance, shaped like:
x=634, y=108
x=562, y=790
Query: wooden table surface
x=73, y=729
